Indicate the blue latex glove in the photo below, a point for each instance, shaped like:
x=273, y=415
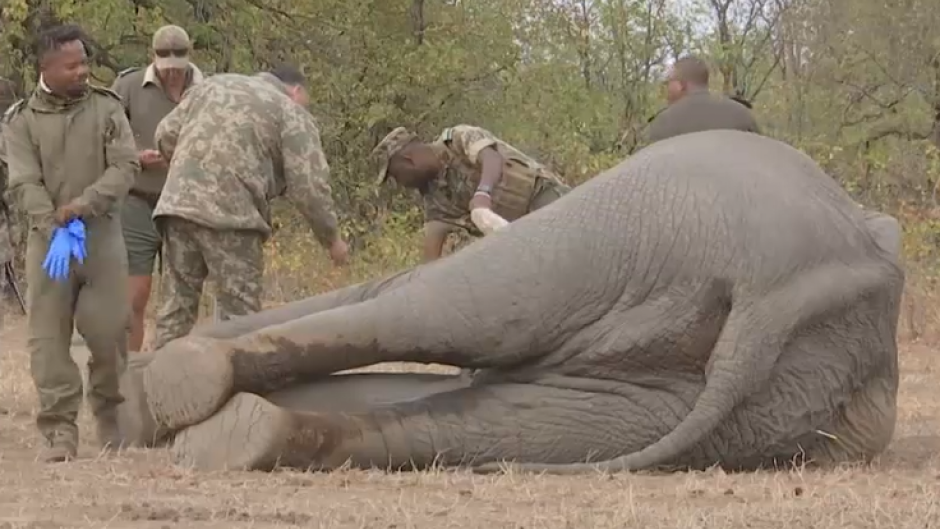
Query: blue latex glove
x=76, y=229
x=56, y=264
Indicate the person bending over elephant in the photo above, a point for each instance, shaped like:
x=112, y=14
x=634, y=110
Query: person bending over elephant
x=673, y=312
x=465, y=176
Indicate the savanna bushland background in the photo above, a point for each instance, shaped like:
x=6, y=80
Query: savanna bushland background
x=854, y=83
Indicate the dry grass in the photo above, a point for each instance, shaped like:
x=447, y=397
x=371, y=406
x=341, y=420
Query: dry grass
x=140, y=489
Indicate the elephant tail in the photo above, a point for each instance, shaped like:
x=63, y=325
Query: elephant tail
x=743, y=359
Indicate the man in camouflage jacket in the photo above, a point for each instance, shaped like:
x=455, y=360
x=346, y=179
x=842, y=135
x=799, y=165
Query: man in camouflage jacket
x=464, y=169
x=234, y=143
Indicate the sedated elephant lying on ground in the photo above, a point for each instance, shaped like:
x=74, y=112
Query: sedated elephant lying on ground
x=714, y=299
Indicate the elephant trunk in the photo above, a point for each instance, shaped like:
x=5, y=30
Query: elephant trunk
x=357, y=293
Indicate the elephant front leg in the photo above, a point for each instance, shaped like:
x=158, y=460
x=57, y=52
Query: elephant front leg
x=192, y=377
x=471, y=426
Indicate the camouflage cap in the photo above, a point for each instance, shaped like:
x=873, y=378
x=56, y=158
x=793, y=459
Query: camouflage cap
x=390, y=146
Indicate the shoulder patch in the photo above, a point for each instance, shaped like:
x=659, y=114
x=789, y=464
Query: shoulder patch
x=126, y=71
x=105, y=91
x=14, y=109
x=448, y=134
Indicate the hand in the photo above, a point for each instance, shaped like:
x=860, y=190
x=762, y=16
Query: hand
x=76, y=230
x=151, y=158
x=481, y=201
x=487, y=221
x=339, y=252
x=56, y=263
x=68, y=212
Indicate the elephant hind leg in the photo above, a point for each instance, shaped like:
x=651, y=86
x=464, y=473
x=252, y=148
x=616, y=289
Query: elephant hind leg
x=487, y=424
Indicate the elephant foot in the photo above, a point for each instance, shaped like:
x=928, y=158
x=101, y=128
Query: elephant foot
x=187, y=381
x=248, y=433
x=135, y=421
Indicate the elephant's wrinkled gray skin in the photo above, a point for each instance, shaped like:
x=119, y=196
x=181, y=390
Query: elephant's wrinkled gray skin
x=714, y=299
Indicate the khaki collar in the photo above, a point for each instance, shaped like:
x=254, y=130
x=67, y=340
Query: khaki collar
x=194, y=75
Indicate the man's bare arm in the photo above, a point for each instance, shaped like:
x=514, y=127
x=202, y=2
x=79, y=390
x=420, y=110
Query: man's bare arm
x=491, y=172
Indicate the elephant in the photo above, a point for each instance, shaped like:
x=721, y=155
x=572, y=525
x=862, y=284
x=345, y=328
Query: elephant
x=742, y=312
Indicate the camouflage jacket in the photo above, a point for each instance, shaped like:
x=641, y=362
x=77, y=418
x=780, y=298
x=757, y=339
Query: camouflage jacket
x=447, y=198
x=234, y=143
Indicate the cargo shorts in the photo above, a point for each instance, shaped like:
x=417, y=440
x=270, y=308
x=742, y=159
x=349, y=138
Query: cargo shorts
x=140, y=235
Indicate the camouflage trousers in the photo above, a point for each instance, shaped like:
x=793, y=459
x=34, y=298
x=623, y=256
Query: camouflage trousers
x=192, y=252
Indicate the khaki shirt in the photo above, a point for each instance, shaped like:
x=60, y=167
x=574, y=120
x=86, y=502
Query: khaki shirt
x=146, y=104
x=699, y=111
x=447, y=198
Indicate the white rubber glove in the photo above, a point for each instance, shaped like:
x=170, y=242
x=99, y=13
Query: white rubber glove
x=487, y=221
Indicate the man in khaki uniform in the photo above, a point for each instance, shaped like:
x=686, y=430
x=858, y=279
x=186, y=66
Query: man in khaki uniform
x=467, y=168
x=71, y=154
x=692, y=108
x=149, y=94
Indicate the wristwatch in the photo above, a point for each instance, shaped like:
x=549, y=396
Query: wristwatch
x=485, y=189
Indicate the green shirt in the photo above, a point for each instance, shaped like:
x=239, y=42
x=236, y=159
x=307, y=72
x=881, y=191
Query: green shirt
x=146, y=104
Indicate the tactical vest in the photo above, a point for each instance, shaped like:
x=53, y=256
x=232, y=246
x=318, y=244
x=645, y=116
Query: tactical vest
x=512, y=196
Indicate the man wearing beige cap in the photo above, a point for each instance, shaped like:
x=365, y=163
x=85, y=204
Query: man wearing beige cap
x=150, y=94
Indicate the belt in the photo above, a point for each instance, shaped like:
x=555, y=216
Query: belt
x=150, y=198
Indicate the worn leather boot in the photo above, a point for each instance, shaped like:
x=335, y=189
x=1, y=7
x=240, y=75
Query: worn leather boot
x=60, y=447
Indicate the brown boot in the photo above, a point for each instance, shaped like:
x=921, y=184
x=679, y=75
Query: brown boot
x=59, y=448
x=109, y=433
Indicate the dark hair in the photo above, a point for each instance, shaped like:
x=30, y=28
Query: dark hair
x=288, y=75
x=692, y=70
x=55, y=37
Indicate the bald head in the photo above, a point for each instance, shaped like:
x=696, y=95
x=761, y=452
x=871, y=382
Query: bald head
x=687, y=74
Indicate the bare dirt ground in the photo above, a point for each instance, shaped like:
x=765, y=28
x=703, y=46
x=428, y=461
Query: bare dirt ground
x=142, y=489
